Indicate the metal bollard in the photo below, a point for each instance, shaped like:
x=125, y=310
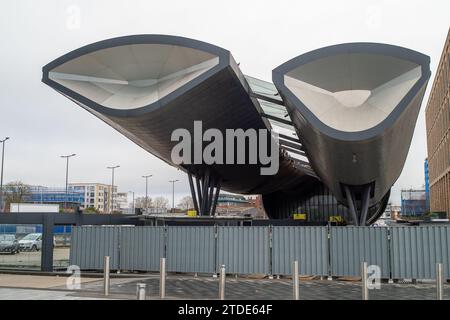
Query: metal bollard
x=222, y=283
x=439, y=277
x=162, y=278
x=365, y=288
x=140, y=292
x=106, y=275
x=295, y=281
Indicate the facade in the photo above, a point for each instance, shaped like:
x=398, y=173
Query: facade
x=238, y=205
x=41, y=194
x=255, y=201
x=437, y=115
x=228, y=203
x=232, y=200
x=121, y=202
x=96, y=196
x=413, y=202
x=343, y=115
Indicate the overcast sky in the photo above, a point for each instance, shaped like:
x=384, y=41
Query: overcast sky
x=261, y=35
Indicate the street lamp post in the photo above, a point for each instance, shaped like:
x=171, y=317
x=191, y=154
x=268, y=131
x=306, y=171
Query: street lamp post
x=146, y=191
x=173, y=194
x=1, y=174
x=112, y=188
x=67, y=176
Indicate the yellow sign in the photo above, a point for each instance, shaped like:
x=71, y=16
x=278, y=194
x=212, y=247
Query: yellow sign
x=299, y=216
x=335, y=219
x=192, y=213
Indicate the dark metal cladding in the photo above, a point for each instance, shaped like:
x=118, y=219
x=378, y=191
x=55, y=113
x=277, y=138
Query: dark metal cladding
x=147, y=86
x=317, y=202
x=219, y=97
x=354, y=107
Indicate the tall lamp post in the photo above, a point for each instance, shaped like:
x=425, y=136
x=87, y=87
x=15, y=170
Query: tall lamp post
x=112, y=188
x=1, y=174
x=67, y=176
x=173, y=193
x=146, y=191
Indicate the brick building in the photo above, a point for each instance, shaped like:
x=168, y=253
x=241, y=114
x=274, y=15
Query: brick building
x=437, y=115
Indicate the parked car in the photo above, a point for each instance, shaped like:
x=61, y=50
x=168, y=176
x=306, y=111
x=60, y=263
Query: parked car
x=9, y=243
x=31, y=242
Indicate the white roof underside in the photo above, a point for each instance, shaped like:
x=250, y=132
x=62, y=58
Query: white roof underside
x=132, y=76
x=353, y=92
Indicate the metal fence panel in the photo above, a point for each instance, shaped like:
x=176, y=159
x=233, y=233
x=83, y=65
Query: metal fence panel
x=90, y=244
x=350, y=246
x=412, y=253
x=416, y=250
x=308, y=245
x=141, y=248
x=244, y=250
x=190, y=249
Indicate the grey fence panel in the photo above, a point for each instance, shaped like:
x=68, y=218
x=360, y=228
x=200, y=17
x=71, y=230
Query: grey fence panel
x=416, y=250
x=190, y=249
x=412, y=252
x=308, y=245
x=350, y=246
x=244, y=250
x=90, y=244
x=141, y=248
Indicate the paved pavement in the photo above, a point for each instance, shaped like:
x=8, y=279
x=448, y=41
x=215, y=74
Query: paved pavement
x=189, y=287
x=35, y=282
x=32, y=294
x=183, y=287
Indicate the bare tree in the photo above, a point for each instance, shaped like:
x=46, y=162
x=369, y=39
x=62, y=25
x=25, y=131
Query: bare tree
x=140, y=202
x=161, y=203
x=15, y=192
x=186, y=203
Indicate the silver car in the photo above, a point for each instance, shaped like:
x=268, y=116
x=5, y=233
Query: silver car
x=31, y=242
x=9, y=243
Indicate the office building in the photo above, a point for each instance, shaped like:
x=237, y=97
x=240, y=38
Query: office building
x=437, y=115
x=96, y=196
x=413, y=202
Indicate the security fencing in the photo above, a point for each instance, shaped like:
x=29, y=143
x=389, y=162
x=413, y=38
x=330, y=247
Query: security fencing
x=399, y=252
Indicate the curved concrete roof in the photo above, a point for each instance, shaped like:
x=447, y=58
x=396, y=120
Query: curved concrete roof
x=371, y=83
x=147, y=86
x=345, y=102
x=354, y=107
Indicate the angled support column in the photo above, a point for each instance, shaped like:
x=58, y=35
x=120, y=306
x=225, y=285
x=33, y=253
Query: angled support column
x=194, y=196
x=205, y=192
x=365, y=206
x=199, y=194
x=210, y=195
x=351, y=204
x=216, y=198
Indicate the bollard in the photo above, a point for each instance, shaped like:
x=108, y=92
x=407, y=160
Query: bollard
x=295, y=281
x=222, y=283
x=140, y=291
x=439, y=277
x=106, y=275
x=365, y=289
x=162, y=278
